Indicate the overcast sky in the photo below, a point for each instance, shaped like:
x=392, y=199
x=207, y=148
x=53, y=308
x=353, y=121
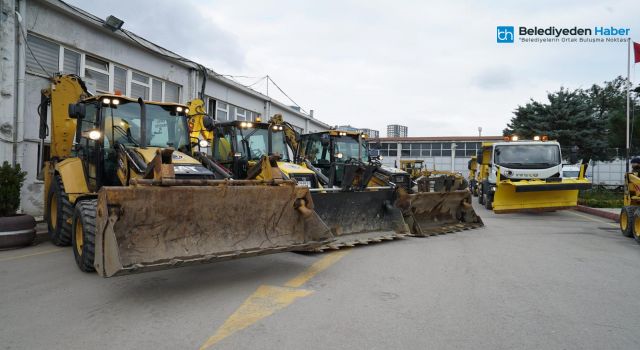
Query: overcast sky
x=434, y=66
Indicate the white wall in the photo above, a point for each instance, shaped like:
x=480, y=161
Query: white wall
x=54, y=22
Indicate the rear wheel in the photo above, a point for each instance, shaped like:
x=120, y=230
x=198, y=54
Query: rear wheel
x=626, y=221
x=59, y=212
x=84, y=234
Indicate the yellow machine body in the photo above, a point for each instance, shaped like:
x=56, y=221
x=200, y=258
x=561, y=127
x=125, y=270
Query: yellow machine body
x=151, y=207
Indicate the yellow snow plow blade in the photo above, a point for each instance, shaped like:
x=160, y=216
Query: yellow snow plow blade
x=147, y=226
x=538, y=195
x=432, y=213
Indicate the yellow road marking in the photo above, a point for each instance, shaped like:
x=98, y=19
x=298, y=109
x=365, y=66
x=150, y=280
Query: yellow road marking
x=262, y=303
x=32, y=254
x=316, y=268
x=266, y=300
x=592, y=219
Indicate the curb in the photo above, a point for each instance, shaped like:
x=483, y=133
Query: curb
x=597, y=212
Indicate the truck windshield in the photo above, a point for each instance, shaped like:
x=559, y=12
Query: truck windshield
x=527, y=156
x=257, y=141
x=347, y=146
x=164, y=127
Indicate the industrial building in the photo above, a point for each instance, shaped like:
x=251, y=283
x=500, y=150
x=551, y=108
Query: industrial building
x=374, y=134
x=442, y=153
x=41, y=38
x=395, y=130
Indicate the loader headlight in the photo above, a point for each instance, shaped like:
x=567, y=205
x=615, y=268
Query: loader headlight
x=514, y=138
x=536, y=138
x=493, y=188
x=203, y=143
x=95, y=134
x=115, y=102
x=339, y=155
x=178, y=109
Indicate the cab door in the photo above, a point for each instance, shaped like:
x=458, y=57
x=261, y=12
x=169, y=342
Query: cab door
x=89, y=144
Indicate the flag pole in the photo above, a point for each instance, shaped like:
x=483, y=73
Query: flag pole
x=628, y=100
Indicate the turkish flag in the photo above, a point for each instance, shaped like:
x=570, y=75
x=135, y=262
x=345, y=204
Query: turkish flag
x=636, y=52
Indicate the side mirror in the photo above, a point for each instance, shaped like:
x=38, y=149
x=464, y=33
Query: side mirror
x=374, y=153
x=208, y=123
x=77, y=110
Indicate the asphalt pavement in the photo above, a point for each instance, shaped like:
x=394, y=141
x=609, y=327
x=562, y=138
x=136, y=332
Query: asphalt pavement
x=561, y=280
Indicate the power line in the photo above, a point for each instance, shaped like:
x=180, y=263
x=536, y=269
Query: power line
x=284, y=93
x=26, y=42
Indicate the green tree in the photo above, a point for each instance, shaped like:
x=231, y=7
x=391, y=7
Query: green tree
x=569, y=117
x=11, y=179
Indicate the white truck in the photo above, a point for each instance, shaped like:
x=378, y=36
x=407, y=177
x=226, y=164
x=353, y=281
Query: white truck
x=525, y=175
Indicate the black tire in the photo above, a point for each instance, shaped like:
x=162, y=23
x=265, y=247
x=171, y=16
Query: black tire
x=17, y=231
x=636, y=225
x=58, y=223
x=488, y=202
x=84, y=234
x=626, y=221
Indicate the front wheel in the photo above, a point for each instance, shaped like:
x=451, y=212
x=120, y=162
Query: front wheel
x=58, y=212
x=626, y=221
x=84, y=234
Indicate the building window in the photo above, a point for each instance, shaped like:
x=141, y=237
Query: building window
x=211, y=108
x=156, y=90
x=139, y=86
x=97, y=71
x=222, y=111
x=171, y=92
x=241, y=114
x=71, y=62
x=44, y=52
x=120, y=80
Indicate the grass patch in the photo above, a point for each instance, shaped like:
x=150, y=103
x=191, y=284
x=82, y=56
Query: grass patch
x=601, y=198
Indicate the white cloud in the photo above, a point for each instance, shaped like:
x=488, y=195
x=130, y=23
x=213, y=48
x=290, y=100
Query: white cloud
x=434, y=66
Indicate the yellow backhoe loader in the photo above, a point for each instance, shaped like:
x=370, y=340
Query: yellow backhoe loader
x=266, y=151
x=629, y=214
x=525, y=175
x=433, y=180
x=342, y=156
x=122, y=188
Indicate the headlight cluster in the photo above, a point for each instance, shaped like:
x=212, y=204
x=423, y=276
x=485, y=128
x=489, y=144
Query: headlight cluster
x=277, y=127
x=246, y=125
x=111, y=102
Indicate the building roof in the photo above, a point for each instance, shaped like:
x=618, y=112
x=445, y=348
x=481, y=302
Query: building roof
x=439, y=138
x=170, y=55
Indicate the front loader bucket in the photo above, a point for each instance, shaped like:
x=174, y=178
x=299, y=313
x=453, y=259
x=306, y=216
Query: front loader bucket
x=537, y=195
x=359, y=217
x=432, y=213
x=148, y=227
